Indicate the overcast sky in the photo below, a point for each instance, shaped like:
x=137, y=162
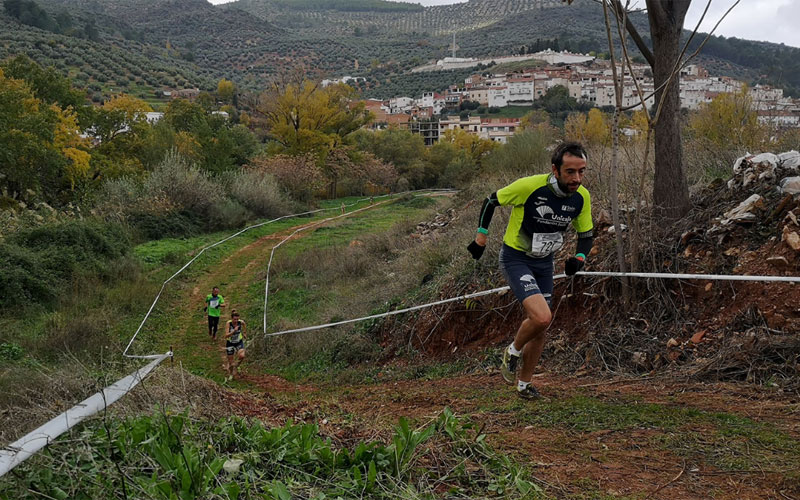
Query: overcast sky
x=768, y=20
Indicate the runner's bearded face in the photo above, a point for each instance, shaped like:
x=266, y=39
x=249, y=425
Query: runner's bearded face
x=570, y=174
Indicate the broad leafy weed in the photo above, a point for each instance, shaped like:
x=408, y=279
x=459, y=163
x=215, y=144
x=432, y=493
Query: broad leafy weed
x=170, y=456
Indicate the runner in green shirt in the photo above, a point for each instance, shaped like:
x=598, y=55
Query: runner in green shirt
x=214, y=305
x=543, y=206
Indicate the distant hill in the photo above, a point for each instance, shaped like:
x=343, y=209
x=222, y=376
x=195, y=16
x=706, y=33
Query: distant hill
x=106, y=66
x=349, y=5
x=170, y=43
x=343, y=16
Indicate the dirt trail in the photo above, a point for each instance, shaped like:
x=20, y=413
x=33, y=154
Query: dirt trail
x=632, y=462
x=570, y=462
x=234, y=274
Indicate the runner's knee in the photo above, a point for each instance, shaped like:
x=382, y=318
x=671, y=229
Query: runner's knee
x=541, y=320
x=539, y=317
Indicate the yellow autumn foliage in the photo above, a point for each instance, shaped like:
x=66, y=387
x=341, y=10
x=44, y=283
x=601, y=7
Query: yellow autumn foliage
x=474, y=146
x=133, y=107
x=592, y=129
x=67, y=139
x=729, y=121
x=305, y=117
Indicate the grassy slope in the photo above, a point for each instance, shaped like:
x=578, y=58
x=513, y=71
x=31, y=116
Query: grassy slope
x=584, y=440
x=238, y=268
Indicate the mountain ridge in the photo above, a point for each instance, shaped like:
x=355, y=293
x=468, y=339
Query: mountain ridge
x=253, y=41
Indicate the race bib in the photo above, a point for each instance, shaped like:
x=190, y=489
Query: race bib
x=543, y=244
x=213, y=303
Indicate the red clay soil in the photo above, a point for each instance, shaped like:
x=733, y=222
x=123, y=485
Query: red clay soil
x=566, y=462
x=710, y=312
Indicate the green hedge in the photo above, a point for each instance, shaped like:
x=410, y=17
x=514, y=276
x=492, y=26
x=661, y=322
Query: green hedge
x=38, y=264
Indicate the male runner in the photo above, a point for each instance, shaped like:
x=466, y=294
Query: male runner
x=543, y=206
x=235, y=333
x=214, y=304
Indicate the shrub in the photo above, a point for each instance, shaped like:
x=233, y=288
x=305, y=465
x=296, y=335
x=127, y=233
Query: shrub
x=11, y=351
x=37, y=264
x=258, y=191
x=228, y=213
x=526, y=153
x=180, y=199
x=156, y=226
x=300, y=176
x=184, y=184
x=117, y=196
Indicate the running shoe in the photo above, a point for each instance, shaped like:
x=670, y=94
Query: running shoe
x=529, y=392
x=508, y=368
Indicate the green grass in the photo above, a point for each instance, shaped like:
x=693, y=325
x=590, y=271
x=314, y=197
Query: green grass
x=175, y=251
x=588, y=414
x=292, y=305
x=738, y=444
x=506, y=112
x=171, y=456
x=510, y=67
x=344, y=231
x=292, y=302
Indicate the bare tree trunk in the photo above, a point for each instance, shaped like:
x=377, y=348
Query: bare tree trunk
x=670, y=188
x=619, y=87
x=615, y=203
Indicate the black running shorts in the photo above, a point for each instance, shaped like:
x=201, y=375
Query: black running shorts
x=232, y=347
x=527, y=275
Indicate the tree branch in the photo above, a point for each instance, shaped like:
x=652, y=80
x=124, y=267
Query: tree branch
x=635, y=36
x=680, y=65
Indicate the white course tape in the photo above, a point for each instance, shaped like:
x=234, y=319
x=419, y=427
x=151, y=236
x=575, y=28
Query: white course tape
x=304, y=228
x=711, y=277
x=272, y=253
x=714, y=277
x=390, y=313
x=163, y=286
x=16, y=452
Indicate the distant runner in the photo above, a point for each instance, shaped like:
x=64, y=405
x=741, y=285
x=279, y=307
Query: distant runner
x=214, y=304
x=543, y=206
x=235, y=333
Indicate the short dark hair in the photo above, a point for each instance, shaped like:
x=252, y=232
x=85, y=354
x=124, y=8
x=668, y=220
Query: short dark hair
x=573, y=148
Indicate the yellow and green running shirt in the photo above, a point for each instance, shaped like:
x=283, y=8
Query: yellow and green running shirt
x=540, y=214
x=235, y=329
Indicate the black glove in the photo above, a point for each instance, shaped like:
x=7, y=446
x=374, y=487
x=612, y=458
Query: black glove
x=573, y=265
x=205, y=308
x=476, y=250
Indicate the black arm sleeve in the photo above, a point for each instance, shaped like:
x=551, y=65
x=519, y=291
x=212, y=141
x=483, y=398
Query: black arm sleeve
x=585, y=241
x=487, y=211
